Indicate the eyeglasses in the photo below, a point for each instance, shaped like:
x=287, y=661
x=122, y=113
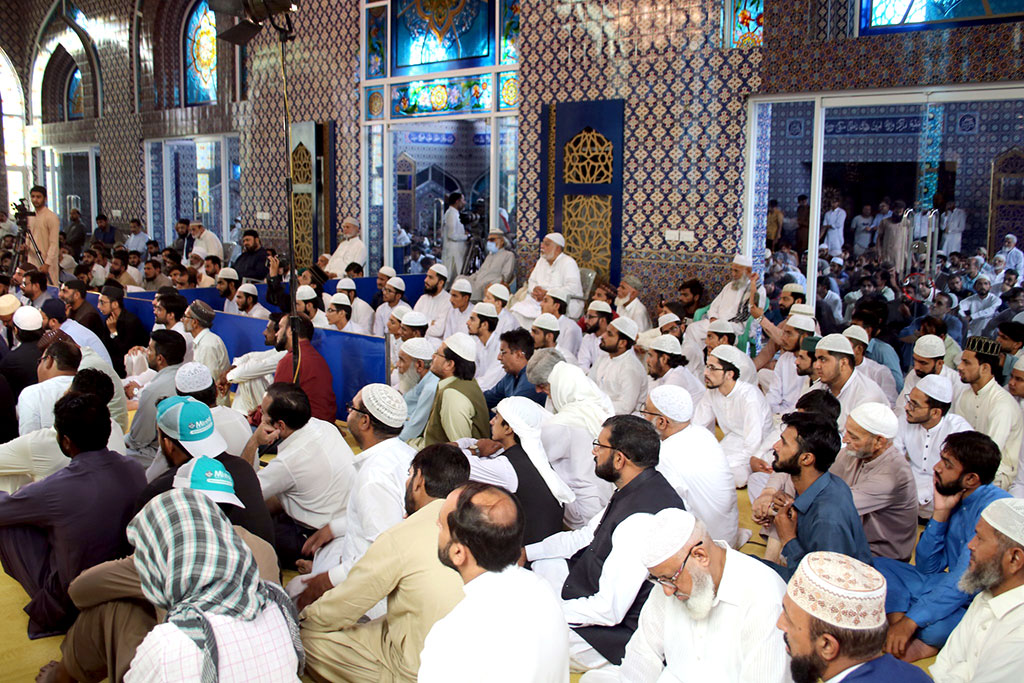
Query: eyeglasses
x=597, y=444
x=671, y=583
x=647, y=412
x=352, y=407
x=713, y=368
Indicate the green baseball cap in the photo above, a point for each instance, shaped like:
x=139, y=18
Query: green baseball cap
x=210, y=477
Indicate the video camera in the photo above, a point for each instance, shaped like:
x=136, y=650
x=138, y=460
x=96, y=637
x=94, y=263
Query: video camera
x=21, y=212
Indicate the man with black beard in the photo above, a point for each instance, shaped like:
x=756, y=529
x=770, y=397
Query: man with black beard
x=253, y=372
x=986, y=643
x=435, y=302
x=707, y=597
x=599, y=315
x=823, y=515
x=924, y=603
x=833, y=617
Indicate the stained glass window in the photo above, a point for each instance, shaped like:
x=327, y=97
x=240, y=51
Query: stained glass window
x=509, y=31
x=508, y=90
x=13, y=131
x=375, y=103
x=440, y=35
x=376, y=32
x=200, y=48
x=883, y=16
x=442, y=96
x=744, y=23
x=75, y=102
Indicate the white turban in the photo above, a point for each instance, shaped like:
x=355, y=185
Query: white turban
x=525, y=417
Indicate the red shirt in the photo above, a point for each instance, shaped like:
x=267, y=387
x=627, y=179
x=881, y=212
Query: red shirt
x=314, y=378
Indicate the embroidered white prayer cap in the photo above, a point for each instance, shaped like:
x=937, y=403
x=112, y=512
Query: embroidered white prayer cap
x=462, y=345
x=341, y=299
x=350, y=221
x=1006, y=516
x=398, y=283
x=462, y=285
x=876, y=418
x=937, y=387
x=192, y=377
x=835, y=342
x=228, y=274
x=546, y=321
x=598, y=306
x=837, y=260
x=627, y=326
x=666, y=319
x=730, y=354
x=345, y=283
x=667, y=343
x=557, y=238
x=667, y=534
x=741, y=260
x=930, y=346
x=839, y=590
x=28, y=319
x=249, y=288
x=440, y=270
x=794, y=288
x=721, y=326
x=385, y=404
x=415, y=319
x=418, y=348
x=499, y=291
x=673, y=401
x=559, y=293
x=804, y=323
x=388, y=271
x=857, y=333
x=399, y=312
x=485, y=309
x=801, y=309
x=305, y=293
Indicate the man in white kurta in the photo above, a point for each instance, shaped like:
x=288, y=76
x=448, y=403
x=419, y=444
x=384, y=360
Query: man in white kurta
x=786, y=384
x=206, y=240
x=979, y=307
x=482, y=323
x=599, y=315
x=621, y=375
x=453, y=251
x=351, y=249
x=554, y=269
x=362, y=312
x=834, y=364
x=693, y=462
x=253, y=372
x=36, y=401
x=435, y=303
x=875, y=371
x=953, y=222
x=732, y=303
x=665, y=368
x=556, y=302
x=458, y=313
x=1014, y=256
x=247, y=303
x=929, y=353
x=628, y=304
x=207, y=347
x=392, y=293
x=739, y=409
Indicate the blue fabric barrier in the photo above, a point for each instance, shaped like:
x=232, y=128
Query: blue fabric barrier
x=366, y=288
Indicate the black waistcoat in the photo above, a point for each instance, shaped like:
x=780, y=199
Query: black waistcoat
x=541, y=510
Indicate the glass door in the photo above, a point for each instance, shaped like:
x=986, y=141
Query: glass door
x=72, y=182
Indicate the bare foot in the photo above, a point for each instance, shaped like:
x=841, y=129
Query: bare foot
x=304, y=566
x=54, y=672
x=917, y=650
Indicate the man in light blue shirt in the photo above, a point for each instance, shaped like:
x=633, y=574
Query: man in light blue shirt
x=136, y=240
x=414, y=356
x=54, y=309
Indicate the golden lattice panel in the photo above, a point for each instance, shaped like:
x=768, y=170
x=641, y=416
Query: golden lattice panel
x=302, y=214
x=302, y=166
x=588, y=158
x=587, y=226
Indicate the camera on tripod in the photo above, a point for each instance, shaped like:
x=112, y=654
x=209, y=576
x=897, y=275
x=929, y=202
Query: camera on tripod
x=21, y=212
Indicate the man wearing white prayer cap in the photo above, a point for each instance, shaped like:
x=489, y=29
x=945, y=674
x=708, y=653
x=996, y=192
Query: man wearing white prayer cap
x=666, y=366
x=547, y=334
x=693, y=462
x=621, y=375
x=306, y=304
x=979, y=307
x=786, y=385
x=414, y=358
x=498, y=296
x=339, y=314
x=731, y=305
x=377, y=499
x=834, y=363
x=723, y=332
x=383, y=275
x=459, y=309
x=459, y=408
x=986, y=644
x=599, y=315
x=880, y=479
x=435, y=301
x=554, y=269
x=391, y=293
x=929, y=352
x=362, y=312
x=706, y=599
x=833, y=615
x=247, y=302
x=739, y=409
x=483, y=322
x=351, y=249
x=556, y=303
x=925, y=422
x=1015, y=385
x=874, y=370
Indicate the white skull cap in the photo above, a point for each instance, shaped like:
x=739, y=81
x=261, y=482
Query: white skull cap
x=627, y=326
x=556, y=237
x=721, y=326
x=418, y=348
x=546, y=321
x=930, y=346
x=598, y=306
x=937, y=387
x=876, y=418
x=228, y=274
x=499, y=291
x=248, y=288
x=415, y=319
x=801, y=309
x=440, y=270
x=388, y=271
x=345, y=283
x=667, y=534
x=667, y=343
x=730, y=354
x=668, y=319
x=485, y=309
x=305, y=293
x=1006, y=516
x=741, y=260
x=462, y=285
x=192, y=377
x=673, y=401
x=857, y=333
x=398, y=283
x=462, y=345
x=804, y=323
x=385, y=404
x=835, y=342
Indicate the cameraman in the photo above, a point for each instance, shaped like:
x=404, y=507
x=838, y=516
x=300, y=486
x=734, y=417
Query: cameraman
x=45, y=229
x=453, y=252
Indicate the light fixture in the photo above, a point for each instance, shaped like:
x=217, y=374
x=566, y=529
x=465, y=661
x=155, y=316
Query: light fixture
x=252, y=14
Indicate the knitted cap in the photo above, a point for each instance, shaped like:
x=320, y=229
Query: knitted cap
x=462, y=285
x=876, y=418
x=499, y=291
x=673, y=401
x=192, y=377
x=839, y=590
x=667, y=534
x=462, y=345
x=385, y=404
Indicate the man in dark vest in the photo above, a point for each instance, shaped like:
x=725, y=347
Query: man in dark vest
x=459, y=408
x=598, y=569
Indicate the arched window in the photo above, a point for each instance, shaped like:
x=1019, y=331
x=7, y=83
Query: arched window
x=15, y=156
x=200, y=55
x=74, y=103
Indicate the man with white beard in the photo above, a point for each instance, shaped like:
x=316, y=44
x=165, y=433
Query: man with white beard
x=628, y=304
x=707, y=598
x=732, y=304
x=554, y=269
x=351, y=249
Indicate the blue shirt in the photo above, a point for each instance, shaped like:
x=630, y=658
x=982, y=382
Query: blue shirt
x=882, y=352
x=513, y=385
x=418, y=402
x=827, y=520
x=944, y=545
x=887, y=668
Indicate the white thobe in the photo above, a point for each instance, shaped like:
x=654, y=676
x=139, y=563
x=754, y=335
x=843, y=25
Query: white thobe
x=253, y=373
x=911, y=380
x=320, y=320
x=590, y=351
x=258, y=311
x=506, y=321
x=987, y=646
x=670, y=646
x=36, y=455
x=570, y=335
x=436, y=309
x=624, y=379
x=693, y=462
x=488, y=370
x=209, y=350
x=953, y=224
x=571, y=455
x=136, y=242
x=231, y=307
x=637, y=312
x=562, y=272
x=380, y=319
x=726, y=305
x=456, y=321
x=993, y=411
x=680, y=377
x=453, y=251
x=211, y=243
x=833, y=301
x=362, y=313
x=980, y=309
x=348, y=251
x=35, y=403
x=859, y=388
x=882, y=377
x=529, y=642
x=785, y=386
x=922, y=447
x=833, y=222
x=1014, y=258
x=744, y=417
x=353, y=327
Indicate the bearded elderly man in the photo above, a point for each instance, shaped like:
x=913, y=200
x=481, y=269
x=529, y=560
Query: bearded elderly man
x=706, y=599
x=498, y=268
x=880, y=479
x=732, y=303
x=350, y=249
x=628, y=304
x=554, y=269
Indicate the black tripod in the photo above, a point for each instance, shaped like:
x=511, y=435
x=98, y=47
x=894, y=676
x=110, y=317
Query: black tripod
x=26, y=239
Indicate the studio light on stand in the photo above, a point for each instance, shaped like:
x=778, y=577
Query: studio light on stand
x=251, y=15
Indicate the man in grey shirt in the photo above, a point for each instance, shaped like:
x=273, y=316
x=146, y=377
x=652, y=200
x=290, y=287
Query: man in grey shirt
x=165, y=355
